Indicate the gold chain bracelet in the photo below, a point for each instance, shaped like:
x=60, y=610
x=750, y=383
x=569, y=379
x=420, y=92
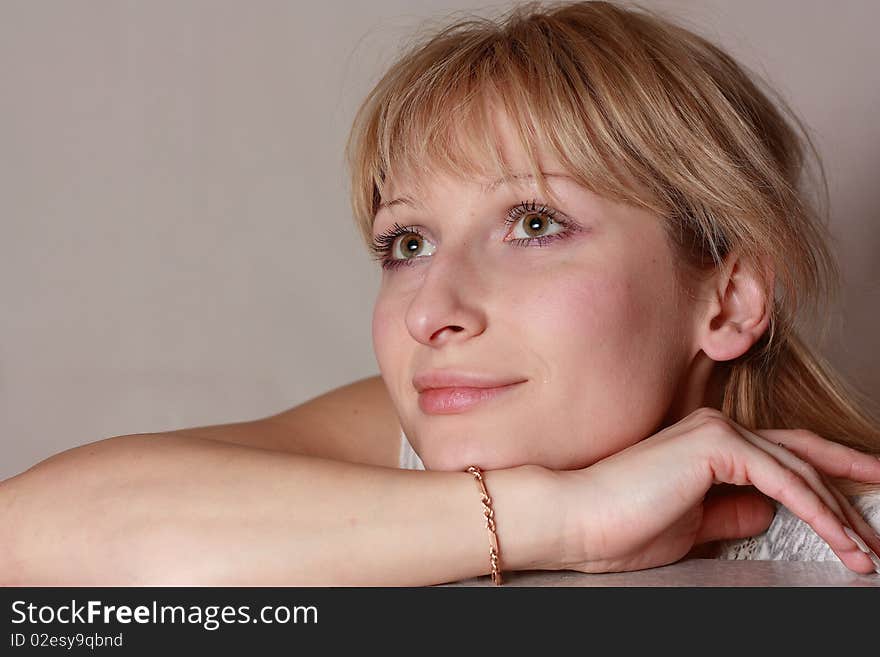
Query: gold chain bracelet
x=494, y=552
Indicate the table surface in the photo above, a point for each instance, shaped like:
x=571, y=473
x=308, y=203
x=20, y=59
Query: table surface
x=697, y=572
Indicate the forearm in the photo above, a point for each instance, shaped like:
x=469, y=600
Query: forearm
x=160, y=509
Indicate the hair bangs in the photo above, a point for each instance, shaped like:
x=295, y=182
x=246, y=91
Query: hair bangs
x=435, y=113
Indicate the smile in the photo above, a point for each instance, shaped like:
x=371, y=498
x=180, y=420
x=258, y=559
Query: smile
x=446, y=401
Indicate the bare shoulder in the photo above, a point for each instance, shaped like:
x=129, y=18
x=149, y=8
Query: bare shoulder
x=355, y=422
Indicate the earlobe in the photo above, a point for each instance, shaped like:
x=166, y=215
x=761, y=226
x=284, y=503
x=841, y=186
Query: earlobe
x=738, y=311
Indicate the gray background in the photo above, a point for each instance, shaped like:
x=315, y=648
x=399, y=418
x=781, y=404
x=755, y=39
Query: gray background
x=177, y=246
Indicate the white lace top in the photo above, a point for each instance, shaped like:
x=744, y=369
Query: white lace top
x=788, y=538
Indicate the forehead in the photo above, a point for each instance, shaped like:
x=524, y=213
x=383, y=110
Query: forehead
x=479, y=172
x=505, y=141
x=411, y=191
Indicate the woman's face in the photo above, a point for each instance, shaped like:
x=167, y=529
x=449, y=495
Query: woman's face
x=591, y=322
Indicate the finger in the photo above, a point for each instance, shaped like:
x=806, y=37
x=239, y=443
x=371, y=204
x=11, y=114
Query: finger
x=771, y=477
x=734, y=515
x=835, y=459
x=865, y=537
x=838, y=504
x=793, y=462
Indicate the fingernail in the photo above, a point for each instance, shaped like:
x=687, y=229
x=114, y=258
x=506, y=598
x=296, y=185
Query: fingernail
x=856, y=539
x=864, y=548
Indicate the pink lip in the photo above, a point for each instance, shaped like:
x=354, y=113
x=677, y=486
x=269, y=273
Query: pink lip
x=446, y=401
x=449, y=378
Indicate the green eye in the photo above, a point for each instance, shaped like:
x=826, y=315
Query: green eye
x=404, y=245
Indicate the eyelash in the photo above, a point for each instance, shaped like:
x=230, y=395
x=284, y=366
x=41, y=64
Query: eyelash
x=383, y=243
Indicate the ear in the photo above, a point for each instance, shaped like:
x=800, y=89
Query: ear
x=738, y=311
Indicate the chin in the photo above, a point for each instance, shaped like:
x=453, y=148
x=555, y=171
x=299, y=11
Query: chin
x=448, y=461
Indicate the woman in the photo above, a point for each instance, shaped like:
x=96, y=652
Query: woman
x=631, y=382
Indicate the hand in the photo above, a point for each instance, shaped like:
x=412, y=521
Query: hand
x=647, y=505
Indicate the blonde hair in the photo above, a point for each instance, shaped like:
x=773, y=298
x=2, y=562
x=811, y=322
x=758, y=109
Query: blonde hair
x=641, y=111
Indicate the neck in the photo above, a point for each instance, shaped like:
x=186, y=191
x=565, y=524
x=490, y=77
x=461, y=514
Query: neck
x=701, y=385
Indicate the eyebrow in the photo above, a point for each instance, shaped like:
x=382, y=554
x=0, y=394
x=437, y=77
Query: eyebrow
x=407, y=200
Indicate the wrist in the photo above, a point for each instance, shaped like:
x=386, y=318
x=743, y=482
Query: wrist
x=528, y=518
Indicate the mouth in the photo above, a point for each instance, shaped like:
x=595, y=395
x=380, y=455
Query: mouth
x=448, y=401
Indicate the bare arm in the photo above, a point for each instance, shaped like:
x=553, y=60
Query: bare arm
x=177, y=510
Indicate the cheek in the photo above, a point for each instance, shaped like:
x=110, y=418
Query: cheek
x=594, y=310
x=385, y=330
x=619, y=311
x=607, y=347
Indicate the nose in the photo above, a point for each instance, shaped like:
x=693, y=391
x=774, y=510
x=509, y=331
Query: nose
x=450, y=304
